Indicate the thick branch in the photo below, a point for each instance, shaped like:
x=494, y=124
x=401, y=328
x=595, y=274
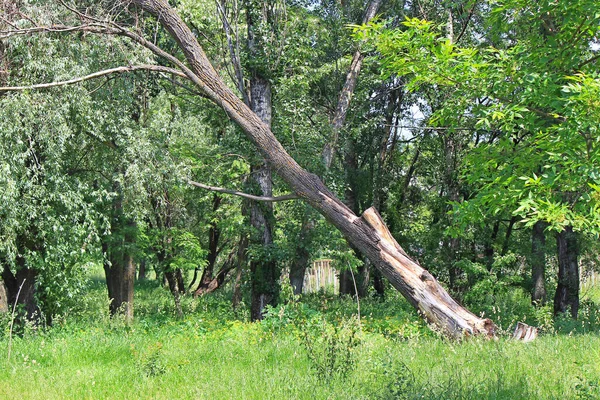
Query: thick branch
x=118, y=70
x=244, y=195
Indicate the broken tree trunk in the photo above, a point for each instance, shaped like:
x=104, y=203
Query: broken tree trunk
x=368, y=233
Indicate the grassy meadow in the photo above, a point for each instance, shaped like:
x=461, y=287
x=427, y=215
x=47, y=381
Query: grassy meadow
x=310, y=350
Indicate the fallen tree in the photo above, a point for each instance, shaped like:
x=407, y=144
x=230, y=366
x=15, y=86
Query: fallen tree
x=368, y=233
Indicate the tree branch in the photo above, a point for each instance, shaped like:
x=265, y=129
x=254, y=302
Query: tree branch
x=118, y=70
x=244, y=195
x=96, y=28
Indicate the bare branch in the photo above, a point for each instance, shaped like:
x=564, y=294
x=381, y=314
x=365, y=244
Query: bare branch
x=95, y=28
x=118, y=70
x=244, y=195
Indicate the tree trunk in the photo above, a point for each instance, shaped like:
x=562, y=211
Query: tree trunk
x=368, y=233
x=451, y=150
x=119, y=267
x=219, y=279
x=214, y=234
x=175, y=289
x=264, y=273
x=241, y=263
x=21, y=284
x=142, y=270
x=566, y=298
x=120, y=276
x=538, y=263
x=378, y=284
x=301, y=260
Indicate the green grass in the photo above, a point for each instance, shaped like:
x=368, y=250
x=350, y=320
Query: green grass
x=213, y=353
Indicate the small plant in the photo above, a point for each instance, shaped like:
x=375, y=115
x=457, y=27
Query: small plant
x=587, y=389
x=331, y=347
x=151, y=362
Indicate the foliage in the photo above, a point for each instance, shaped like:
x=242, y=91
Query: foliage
x=527, y=97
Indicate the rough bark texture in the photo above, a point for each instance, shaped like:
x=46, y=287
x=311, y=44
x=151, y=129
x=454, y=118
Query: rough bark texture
x=263, y=269
x=566, y=298
x=368, y=233
x=538, y=263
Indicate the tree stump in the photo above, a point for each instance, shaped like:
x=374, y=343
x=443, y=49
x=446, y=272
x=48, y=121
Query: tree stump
x=525, y=332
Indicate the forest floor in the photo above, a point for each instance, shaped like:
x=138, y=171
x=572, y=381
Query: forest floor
x=310, y=350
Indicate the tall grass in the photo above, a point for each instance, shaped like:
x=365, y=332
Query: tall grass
x=214, y=353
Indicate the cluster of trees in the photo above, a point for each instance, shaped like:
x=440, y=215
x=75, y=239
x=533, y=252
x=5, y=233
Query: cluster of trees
x=472, y=128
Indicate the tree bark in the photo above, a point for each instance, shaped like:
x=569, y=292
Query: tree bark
x=302, y=257
x=175, y=289
x=119, y=267
x=538, y=263
x=21, y=283
x=239, y=269
x=218, y=280
x=214, y=234
x=566, y=298
x=368, y=233
x=142, y=270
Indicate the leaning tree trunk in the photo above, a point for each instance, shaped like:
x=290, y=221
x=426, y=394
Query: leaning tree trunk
x=566, y=298
x=538, y=263
x=368, y=232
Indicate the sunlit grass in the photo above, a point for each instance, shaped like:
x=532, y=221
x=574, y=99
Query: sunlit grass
x=213, y=353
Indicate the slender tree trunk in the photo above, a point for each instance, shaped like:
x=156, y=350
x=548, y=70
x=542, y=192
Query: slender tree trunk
x=142, y=270
x=219, y=278
x=367, y=232
x=451, y=150
x=264, y=272
x=378, y=284
x=301, y=260
x=175, y=289
x=214, y=234
x=347, y=280
x=566, y=298
x=508, y=234
x=538, y=263
x=242, y=260
x=488, y=252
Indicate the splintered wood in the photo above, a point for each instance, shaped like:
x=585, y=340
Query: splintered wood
x=525, y=332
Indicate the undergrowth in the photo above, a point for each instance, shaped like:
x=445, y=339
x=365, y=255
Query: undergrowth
x=314, y=348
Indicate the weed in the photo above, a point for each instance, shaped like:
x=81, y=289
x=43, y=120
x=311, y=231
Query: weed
x=331, y=348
